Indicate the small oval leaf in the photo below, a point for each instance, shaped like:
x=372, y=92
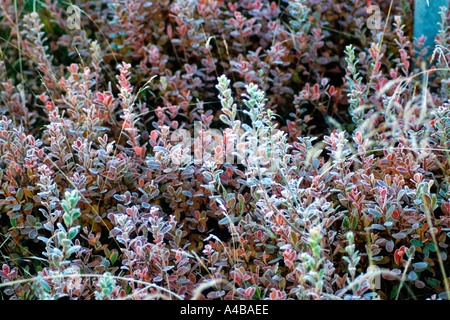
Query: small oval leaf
x=399, y=235
x=390, y=246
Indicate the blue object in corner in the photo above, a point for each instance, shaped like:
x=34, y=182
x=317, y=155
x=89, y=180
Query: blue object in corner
x=427, y=19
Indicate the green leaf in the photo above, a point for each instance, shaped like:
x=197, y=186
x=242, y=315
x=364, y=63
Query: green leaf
x=394, y=292
x=73, y=198
x=225, y=119
x=433, y=282
x=354, y=224
x=65, y=206
x=19, y=194
x=426, y=252
x=28, y=193
x=28, y=206
x=67, y=220
x=416, y=242
x=73, y=232
x=346, y=223
x=44, y=284
x=294, y=237
x=433, y=202
x=410, y=251
x=66, y=242
x=431, y=247
x=241, y=203
x=76, y=213
x=114, y=255
x=257, y=294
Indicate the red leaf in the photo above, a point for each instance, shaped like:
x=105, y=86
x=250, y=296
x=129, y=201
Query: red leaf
x=315, y=88
x=100, y=96
x=332, y=90
x=73, y=68
x=154, y=135
x=5, y=269
x=398, y=255
x=207, y=119
x=249, y=292
x=395, y=214
x=358, y=137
